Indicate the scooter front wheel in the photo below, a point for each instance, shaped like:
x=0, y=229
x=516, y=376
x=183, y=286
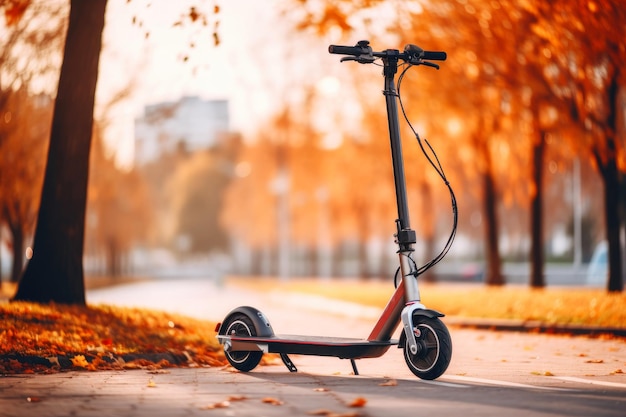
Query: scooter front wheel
x=434, y=348
x=240, y=324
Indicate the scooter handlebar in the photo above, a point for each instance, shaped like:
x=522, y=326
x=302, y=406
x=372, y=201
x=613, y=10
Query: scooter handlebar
x=347, y=50
x=411, y=53
x=434, y=56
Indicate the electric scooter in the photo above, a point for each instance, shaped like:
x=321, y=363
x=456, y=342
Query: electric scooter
x=246, y=333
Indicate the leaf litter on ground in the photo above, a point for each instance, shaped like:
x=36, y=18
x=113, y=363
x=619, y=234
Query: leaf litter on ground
x=44, y=338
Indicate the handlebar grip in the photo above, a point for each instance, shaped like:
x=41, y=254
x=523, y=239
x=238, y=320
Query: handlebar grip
x=345, y=50
x=434, y=56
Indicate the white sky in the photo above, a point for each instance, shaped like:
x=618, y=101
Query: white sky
x=235, y=70
x=261, y=62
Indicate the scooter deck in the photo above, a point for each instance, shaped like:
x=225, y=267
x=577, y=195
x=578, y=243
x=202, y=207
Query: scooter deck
x=340, y=347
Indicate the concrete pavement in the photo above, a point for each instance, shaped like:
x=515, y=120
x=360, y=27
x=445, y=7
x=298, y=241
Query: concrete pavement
x=491, y=373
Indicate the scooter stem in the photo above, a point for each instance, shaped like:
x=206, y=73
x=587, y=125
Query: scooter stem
x=390, y=68
x=405, y=236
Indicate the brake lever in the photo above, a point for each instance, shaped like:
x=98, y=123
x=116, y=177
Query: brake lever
x=363, y=59
x=430, y=64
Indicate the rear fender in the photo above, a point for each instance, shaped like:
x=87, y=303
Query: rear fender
x=261, y=323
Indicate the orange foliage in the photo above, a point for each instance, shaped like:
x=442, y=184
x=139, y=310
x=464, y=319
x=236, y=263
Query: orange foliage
x=48, y=338
x=14, y=10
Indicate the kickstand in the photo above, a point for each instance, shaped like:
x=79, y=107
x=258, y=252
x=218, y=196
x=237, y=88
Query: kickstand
x=356, y=371
x=288, y=363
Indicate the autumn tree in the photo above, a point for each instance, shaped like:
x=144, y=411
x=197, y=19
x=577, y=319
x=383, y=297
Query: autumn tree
x=474, y=69
x=524, y=69
x=29, y=53
x=55, y=272
x=471, y=66
x=255, y=169
x=587, y=76
x=196, y=194
x=118, y=212
x=22, y=156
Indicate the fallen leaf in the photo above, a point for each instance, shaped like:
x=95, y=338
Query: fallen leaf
x=54, y=361
x=79, y=361
x=272, y=401
x=358, y=402
x=324, y=412
x=151, y=384
x=321, y=389
x=222, y=404
x=237, y=398
x=595, y=361
x=321, y=412
x=389, y=383
x=548, y=373
x=618, y=371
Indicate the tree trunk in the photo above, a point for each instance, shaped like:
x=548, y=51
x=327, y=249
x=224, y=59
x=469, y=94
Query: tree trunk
x=55, y=272
x=113, y=268
x=493, y=274
x=17, y=237
x=537, y=279
x=428, y=220
x=0, y=272
x=364, y=271
x=1, y=255
x=610, y=176
x=612, y=224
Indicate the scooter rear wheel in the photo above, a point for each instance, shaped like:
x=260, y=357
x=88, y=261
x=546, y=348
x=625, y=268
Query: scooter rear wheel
x=434, y=348
x=240, y=325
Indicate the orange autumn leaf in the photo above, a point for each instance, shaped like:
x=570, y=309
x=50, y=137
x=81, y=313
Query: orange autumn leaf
x=358, y=402
x=272, y=401
x=79, y=361
x=237, y=398
x=325, y=412
x=14, y=10
x=321, y=412
x=222, y=404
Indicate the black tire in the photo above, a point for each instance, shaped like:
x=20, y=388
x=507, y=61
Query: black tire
x=240, y=325
x=434, y=348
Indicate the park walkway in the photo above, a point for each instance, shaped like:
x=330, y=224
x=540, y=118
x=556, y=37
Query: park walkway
x=491, y=374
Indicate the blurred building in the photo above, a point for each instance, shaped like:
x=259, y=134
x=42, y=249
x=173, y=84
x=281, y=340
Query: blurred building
x=189, y=123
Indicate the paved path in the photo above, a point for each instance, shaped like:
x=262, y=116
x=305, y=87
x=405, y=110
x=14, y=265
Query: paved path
x=491, y=374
